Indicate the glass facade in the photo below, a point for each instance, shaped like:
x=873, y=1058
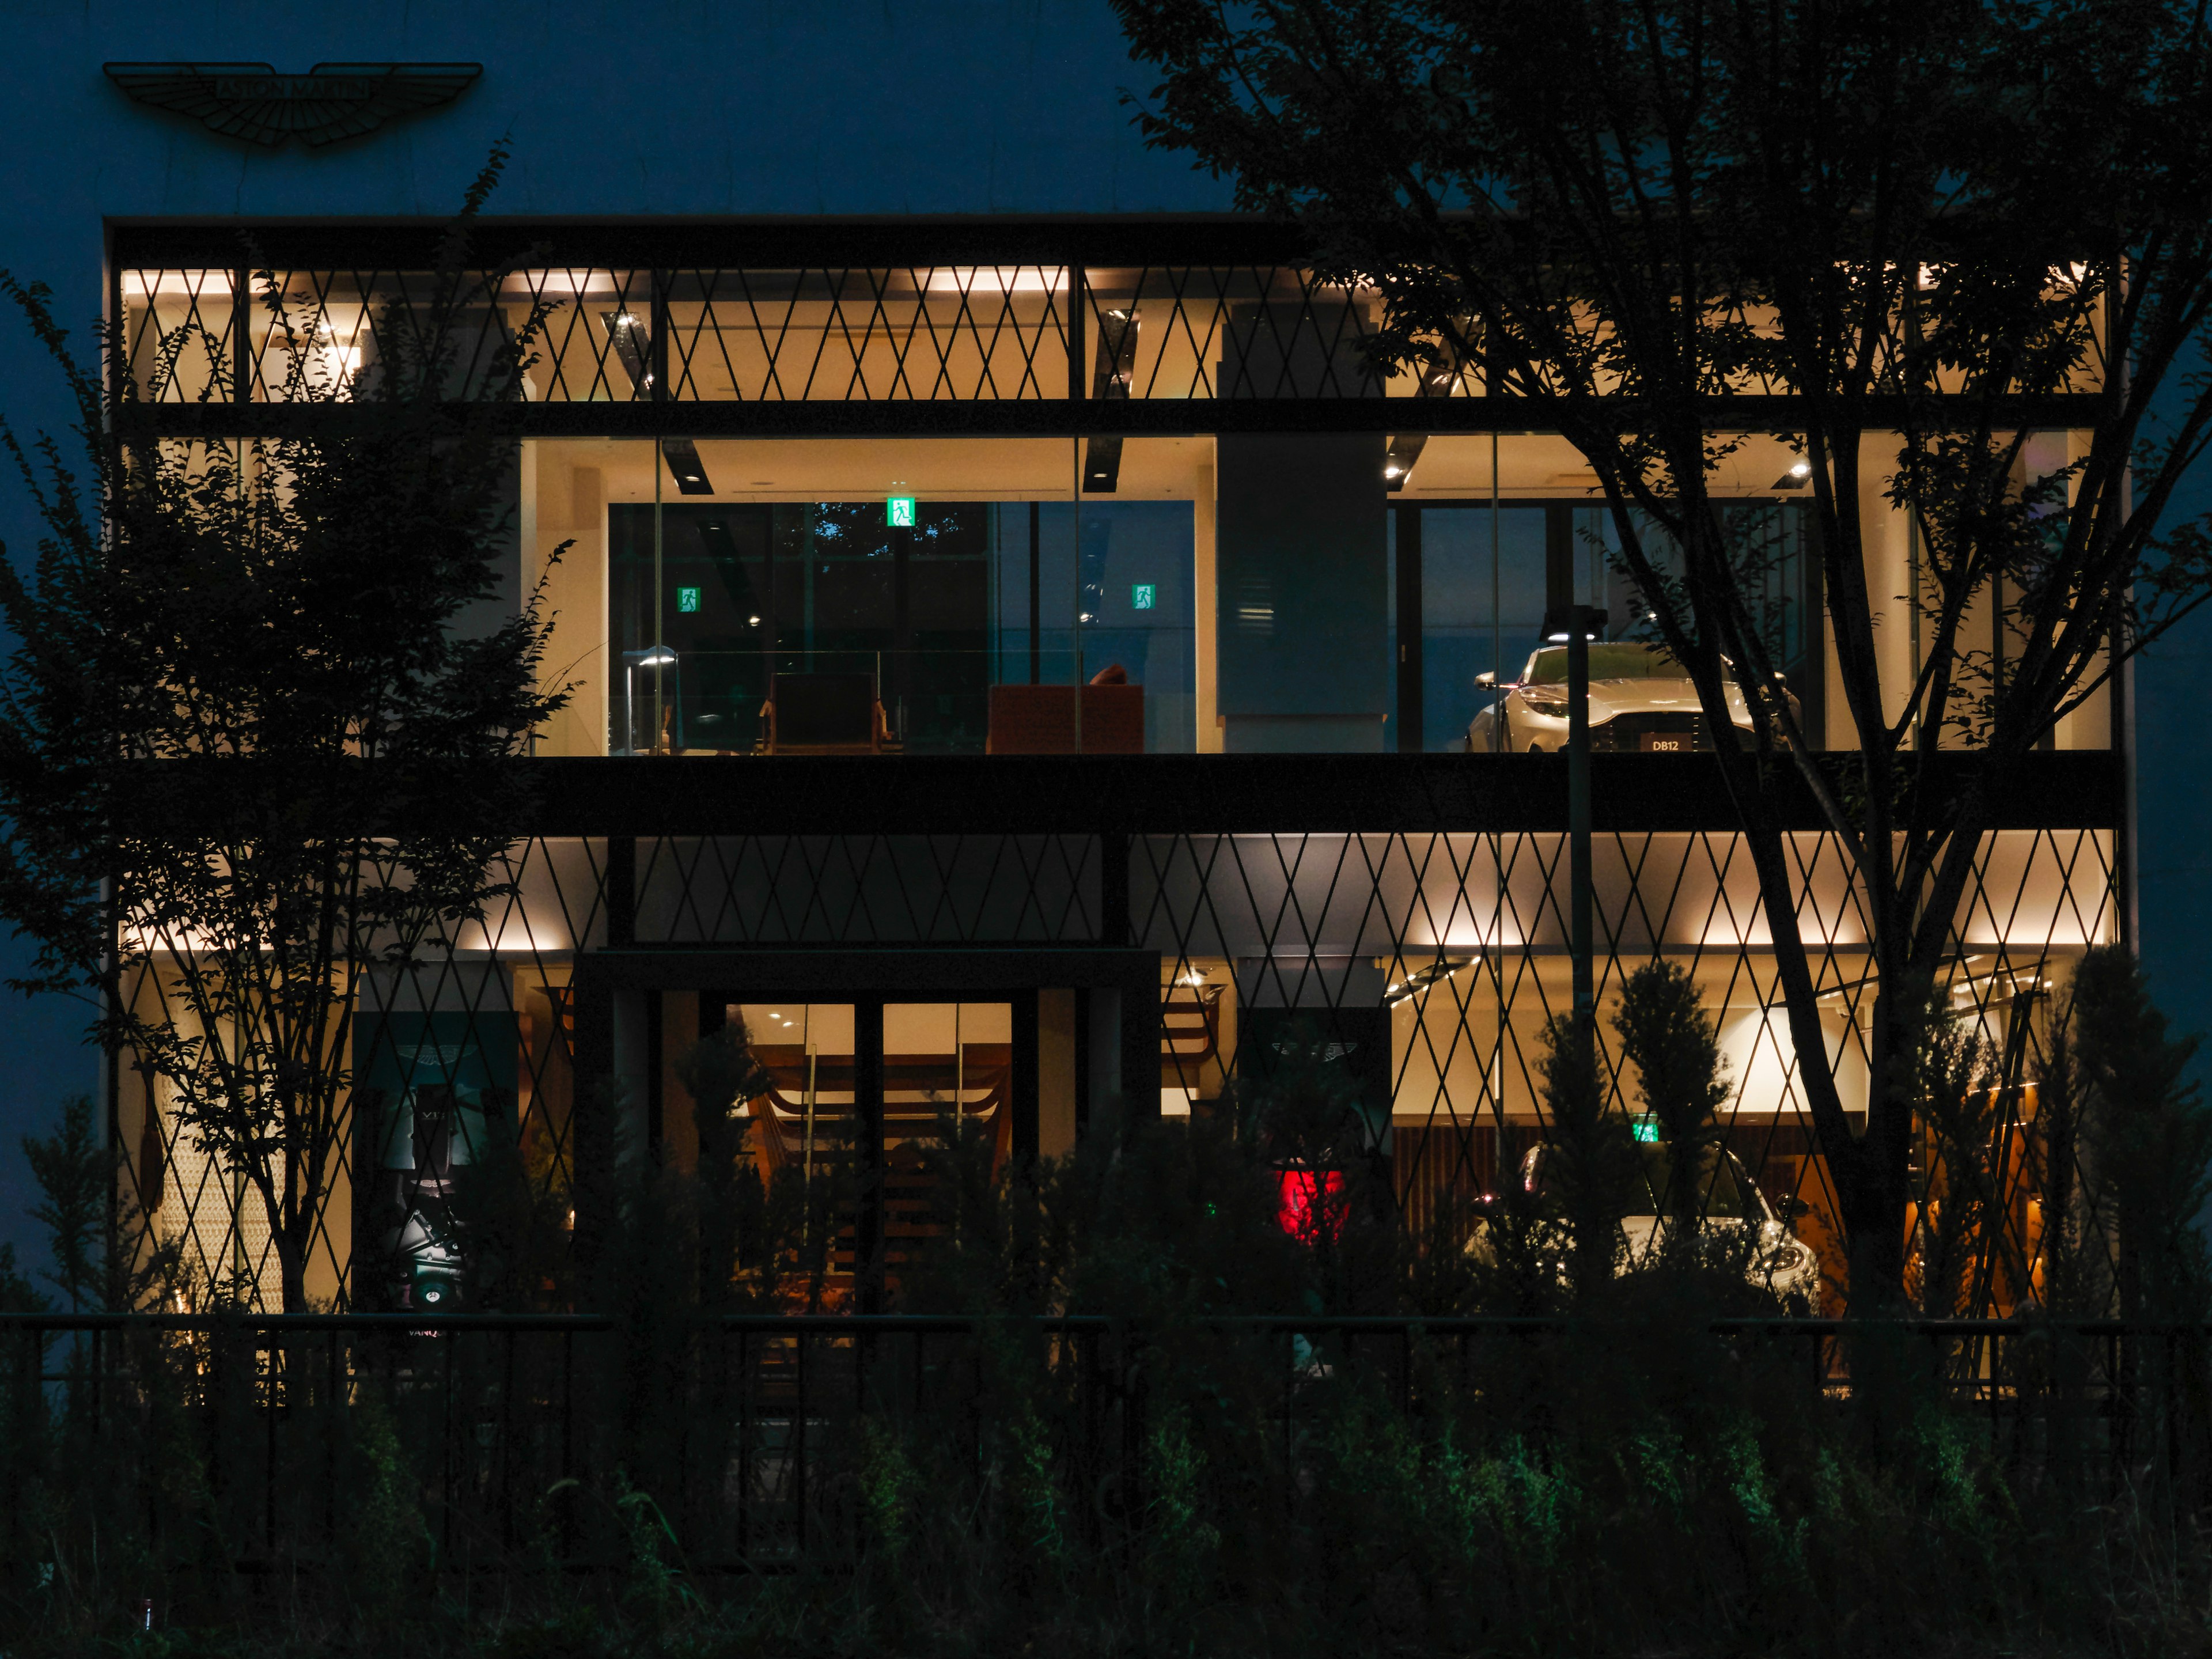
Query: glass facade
x=934, y=613
x=862, y=521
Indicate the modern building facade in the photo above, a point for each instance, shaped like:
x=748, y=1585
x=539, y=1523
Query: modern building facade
x=1022, y=663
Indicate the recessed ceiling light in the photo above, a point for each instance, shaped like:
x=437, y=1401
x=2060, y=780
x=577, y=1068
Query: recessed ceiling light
x=1399, y=455
x=684, y=464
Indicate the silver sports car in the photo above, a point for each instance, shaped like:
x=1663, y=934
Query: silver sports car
x=1639, y=699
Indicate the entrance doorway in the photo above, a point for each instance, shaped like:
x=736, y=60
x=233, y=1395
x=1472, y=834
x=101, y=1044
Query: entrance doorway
x=884, y=1097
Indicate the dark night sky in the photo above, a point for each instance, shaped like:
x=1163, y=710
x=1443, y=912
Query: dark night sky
x=45, y=1058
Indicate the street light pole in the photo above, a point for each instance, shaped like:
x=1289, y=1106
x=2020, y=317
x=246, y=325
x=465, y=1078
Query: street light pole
x=1576, y=625
x=1578, y=820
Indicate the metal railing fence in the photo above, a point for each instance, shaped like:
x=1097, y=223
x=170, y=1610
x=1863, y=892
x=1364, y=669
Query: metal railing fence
x=539, y=1440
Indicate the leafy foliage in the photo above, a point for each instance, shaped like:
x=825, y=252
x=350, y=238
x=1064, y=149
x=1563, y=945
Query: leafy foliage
x=74, y=1174
x=264, y=716
x=1924, y=224
x=2147, y=1140
x=1591, y=1172
x=1669, y=1039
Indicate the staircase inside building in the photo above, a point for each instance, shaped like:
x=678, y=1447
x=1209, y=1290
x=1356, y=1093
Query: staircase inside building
x=806, y=1121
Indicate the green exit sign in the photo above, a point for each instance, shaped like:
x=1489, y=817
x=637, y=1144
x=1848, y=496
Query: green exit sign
x=898, y=511
x=1142, y=595
x=687, y=598
x=1645, y=1129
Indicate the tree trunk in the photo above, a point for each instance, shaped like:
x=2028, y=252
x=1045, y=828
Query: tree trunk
x=292, y=1266
x=1872, y=1177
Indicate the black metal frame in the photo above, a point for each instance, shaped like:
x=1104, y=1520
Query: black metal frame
x=869, y=979
x=658, y=249
x=1041, y=417
x=1114, y=796
x=878, y=973
x=1809, y=683
x=504, y=1425
x=1098, y=807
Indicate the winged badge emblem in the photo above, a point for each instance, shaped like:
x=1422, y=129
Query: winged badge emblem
x=329, y=102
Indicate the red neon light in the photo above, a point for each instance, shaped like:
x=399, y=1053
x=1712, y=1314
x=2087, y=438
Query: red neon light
x=1311, y=1204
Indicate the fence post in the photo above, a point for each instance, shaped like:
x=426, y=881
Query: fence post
x=568, y=1442
x=745, y=1442
x=334, y=1411
x=270, y=1347
x=796, y=1441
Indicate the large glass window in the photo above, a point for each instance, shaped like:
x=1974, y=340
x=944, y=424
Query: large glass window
x=749, y=592
x=765, y=599
x=1772, y=546
x=1475, y=578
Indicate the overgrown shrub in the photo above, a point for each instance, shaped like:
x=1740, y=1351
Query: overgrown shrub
x=1156, y=1423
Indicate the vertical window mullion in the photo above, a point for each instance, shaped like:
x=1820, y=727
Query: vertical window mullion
x=241, y=337
x=658, y=345
x=1411, y=738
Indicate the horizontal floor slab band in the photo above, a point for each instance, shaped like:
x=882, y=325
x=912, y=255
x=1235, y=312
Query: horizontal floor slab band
x=1242, y=794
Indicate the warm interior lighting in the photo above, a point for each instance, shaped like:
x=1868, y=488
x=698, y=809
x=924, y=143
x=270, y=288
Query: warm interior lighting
x=1560, y=624
x=686, y=466
x=996, y=279
x=1421, y=979
x=1403, y=450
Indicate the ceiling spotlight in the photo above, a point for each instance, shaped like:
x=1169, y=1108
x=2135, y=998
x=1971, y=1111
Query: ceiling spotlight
x=1399, y=455
x=752, y=622
x=633, y=345
x=683, y=462
x=1421, y=979
x=1561, y=622
x=1102, y=465
x=1799, y=471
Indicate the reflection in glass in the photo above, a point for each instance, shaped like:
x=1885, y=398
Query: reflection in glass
x=816, y=605
x=1775, y=571
x=1482, y=580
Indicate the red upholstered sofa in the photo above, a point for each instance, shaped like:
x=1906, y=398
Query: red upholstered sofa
x=1040, y=720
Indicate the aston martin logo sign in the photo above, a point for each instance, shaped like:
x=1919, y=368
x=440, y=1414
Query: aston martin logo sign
x=329, y=101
